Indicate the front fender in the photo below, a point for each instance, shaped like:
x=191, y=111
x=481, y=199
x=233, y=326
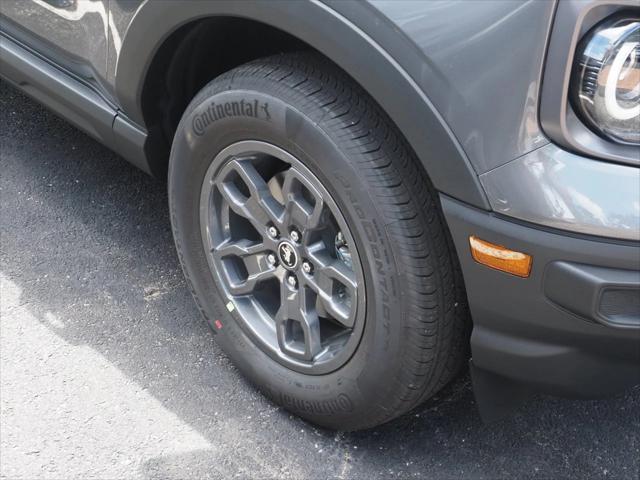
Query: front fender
x=338, y=38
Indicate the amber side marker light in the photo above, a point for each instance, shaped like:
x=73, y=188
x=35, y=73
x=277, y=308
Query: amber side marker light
x=500, y=258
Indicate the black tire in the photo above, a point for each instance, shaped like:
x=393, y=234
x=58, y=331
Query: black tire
x=415, y=335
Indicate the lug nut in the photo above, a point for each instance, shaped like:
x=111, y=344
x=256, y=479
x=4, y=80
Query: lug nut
x=273, y=232
x=295, y=236
x=306, y=267
x=271, y=258
x=292, y=281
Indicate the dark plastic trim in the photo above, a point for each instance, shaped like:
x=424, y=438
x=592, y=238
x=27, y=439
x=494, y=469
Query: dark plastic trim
x=57, y=90
x=519, y=333
x=347, y=45
x=579, y=288
x=496, y=396
x=72, y=99
x=131, y=142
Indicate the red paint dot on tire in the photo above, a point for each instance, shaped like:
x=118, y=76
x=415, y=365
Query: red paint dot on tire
x=218, y=324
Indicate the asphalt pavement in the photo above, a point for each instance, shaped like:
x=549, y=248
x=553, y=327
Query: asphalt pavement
x=108, y=371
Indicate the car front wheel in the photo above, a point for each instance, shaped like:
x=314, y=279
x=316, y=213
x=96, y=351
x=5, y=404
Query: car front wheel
x=314, y=244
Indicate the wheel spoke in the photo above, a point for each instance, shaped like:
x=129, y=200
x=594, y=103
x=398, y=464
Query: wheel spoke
x=253, y=257
x=339, y=272
x=260, y=208
x=252, y=281
x=335, y=285
x=240, y=248
x=305, y=212
x=297, y=323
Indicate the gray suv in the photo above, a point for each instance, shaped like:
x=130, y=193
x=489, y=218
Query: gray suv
x=368, y=196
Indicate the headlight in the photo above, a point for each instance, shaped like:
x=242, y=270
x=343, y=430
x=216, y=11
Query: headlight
x=606, y=80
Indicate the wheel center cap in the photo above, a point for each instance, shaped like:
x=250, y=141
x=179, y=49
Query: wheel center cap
x=288, y=255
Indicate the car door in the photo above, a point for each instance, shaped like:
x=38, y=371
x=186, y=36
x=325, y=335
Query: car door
x=72, y=34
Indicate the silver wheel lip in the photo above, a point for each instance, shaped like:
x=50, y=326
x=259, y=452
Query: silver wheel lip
x=245, y=147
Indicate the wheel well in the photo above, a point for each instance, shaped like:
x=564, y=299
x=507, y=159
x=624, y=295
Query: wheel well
x=188, y=59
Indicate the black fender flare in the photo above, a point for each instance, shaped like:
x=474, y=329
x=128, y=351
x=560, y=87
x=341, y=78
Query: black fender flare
x=345, y=43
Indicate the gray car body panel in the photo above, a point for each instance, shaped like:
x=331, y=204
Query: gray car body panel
x=463, y=71
x=434, y=81
x=73, y=35
x=480, y=61
x=439, y=84
x=350, y=46
x=559, y=189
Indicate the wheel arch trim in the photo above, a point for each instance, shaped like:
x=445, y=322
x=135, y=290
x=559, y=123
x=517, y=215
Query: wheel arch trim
x=350, y=47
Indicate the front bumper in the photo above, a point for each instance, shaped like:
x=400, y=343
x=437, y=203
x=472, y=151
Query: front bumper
x=556, y=330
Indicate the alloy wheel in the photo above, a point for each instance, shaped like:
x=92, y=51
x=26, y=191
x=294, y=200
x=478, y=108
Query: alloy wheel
x=282, y=253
